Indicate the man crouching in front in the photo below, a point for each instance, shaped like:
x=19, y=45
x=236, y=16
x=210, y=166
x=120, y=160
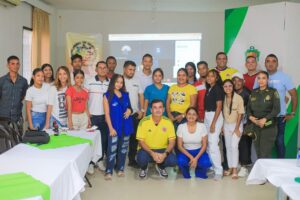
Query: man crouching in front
x=156, y=137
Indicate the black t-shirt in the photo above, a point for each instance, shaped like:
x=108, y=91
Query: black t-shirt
x=212, y=95
x=245, y=95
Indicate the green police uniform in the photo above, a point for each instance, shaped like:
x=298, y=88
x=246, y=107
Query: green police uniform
x=264, y=104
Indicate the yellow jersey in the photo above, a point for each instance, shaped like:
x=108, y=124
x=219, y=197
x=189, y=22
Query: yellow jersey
x=155, y=136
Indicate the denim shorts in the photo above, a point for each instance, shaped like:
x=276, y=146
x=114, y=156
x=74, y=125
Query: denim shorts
x=38, y=120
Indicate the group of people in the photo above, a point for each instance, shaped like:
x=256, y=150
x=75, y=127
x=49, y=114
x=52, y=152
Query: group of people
x=137, y=114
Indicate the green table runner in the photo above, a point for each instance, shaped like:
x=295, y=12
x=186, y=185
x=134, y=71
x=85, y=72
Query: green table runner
x=21, y=185
x=62, y=140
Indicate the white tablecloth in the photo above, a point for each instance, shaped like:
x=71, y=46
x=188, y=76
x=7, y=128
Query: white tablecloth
x=77, y=158
x=279, y=172
x=63, y=180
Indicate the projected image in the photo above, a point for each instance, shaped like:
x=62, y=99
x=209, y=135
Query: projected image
x=170, y=51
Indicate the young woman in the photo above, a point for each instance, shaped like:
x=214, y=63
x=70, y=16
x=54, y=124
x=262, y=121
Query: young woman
x=191, y=69
x=77, y=98
x=157, y=90
x=213, y=119
x=192, y=143
x=118, y=111
x=262, y=110
x=57, y=111
x=233, y=110
x=36, y=101
x=180, y=96
x=48, y=74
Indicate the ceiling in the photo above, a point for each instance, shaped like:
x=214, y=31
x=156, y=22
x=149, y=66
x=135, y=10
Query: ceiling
x=155, y=5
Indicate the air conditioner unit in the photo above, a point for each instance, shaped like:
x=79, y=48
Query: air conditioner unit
x=10, y=2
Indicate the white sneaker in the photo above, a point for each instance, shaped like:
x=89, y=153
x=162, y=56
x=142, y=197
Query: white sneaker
x=91, y=169
x=101, y=165
x=243, y=172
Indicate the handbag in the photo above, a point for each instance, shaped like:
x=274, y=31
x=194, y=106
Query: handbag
x=36, y=137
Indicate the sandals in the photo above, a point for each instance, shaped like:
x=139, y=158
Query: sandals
x=227, y=173
x=120, y=174
x=235, y=176
x=108, y=177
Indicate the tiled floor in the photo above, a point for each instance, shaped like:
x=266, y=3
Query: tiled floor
x=175, y=187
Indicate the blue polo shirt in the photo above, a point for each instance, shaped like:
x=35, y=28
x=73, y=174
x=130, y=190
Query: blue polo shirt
x=11, y=97
x=152, y=92
x=282, y=83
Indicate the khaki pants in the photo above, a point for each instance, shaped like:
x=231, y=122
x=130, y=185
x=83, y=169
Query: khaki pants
x=80, y=121
x=265, y=141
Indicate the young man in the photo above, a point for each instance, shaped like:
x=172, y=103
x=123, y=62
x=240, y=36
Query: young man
x=96, y=87
x=250, y=76
x=136, y=97
x=283, y=84
x=111, y=63
x=12, y=92
x=156, y=136
x=224, y=71
x=145, y=75
x=245, y=141
x=201, y=89
x=76, y=62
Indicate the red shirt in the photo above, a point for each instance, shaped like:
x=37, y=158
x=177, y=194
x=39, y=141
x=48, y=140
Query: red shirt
x=78, y=99
x=249, y=81
x=201, y=90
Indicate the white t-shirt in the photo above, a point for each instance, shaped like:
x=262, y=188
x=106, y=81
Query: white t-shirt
x=134, y=88
x=38, y=97
x=96, y=89
x=192, y=141
x=48, y=85
x=57, y=99
x=144, y=79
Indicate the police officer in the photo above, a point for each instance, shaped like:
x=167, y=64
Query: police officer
x=262, y=110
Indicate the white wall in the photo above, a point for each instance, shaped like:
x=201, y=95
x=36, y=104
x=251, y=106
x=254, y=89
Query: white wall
x=12, y=20
x=211, y=25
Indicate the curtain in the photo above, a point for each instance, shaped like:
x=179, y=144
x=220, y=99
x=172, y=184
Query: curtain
x=40, y=38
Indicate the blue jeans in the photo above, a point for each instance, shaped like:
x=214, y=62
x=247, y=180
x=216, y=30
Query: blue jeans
x=280, y=137
x=38, y=120
x=116, y=150
x=202, y=166
x=143, y=158
x=99, y=121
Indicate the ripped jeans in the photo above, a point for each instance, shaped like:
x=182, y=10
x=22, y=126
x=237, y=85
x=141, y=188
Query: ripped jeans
x=116, y=150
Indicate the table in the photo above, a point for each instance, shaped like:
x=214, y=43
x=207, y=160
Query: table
x=64, y=181
x=73, y=159
x=280, y=173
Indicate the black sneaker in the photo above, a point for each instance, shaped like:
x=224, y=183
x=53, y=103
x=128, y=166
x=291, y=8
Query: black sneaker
x=133, y=164
x=143, y=173
x=161, y=172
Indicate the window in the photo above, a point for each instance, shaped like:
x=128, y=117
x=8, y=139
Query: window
x=170, y=51
x=27, y=47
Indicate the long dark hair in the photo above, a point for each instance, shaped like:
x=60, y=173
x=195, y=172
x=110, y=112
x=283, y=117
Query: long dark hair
x=218, y=78
x=111, y=86
x=48, y=65
x=35, y=71
x=232, y=94
x=191, y=64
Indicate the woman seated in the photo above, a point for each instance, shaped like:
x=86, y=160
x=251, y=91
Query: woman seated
x=192, y=143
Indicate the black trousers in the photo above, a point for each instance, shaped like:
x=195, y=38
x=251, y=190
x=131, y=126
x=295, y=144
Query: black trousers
x=133, y=143
x=245, y=150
